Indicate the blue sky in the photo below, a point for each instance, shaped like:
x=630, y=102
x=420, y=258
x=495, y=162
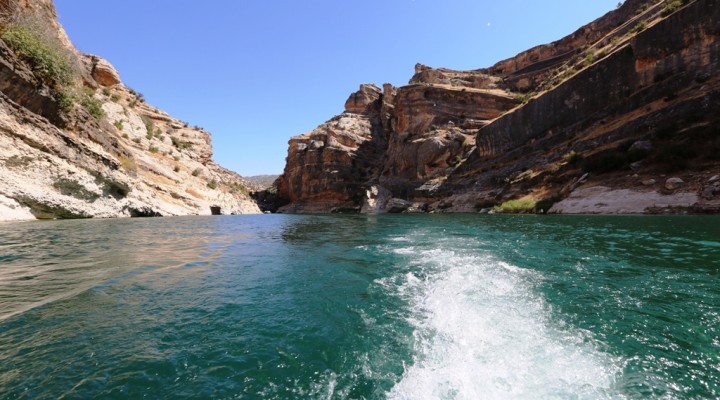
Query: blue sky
x=255, y=73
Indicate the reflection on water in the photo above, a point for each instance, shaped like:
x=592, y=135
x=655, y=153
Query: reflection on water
x=41, y=262
x=335, y=307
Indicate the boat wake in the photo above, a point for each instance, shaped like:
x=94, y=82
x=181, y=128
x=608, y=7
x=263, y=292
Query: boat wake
x=482, y=331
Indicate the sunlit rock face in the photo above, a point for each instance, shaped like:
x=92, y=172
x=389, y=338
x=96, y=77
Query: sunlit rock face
x=554, y=119
x=88, y=146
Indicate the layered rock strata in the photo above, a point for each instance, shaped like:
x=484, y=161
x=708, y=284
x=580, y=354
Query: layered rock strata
x=628, y=99
x=89, y=146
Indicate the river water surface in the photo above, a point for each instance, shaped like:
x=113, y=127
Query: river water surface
x=361, y=307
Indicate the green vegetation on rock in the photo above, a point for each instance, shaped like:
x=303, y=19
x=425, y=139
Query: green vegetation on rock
x=47, y=59
x=93, y=106
x=522, y=206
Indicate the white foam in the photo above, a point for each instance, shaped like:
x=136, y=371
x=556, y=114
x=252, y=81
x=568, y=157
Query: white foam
x=482, y=331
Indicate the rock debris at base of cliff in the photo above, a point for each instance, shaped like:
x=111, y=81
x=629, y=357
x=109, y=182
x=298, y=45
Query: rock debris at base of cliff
x=78, y=143
x=607, y=115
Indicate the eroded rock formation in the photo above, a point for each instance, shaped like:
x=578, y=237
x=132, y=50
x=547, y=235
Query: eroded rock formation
x=77, y=143
x=623, y=101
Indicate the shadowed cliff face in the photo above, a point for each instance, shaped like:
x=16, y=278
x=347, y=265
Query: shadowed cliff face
x=77, y=143
x=626, y=102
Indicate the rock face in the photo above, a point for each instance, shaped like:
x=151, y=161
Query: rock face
x=83, y=145
x=328, y=166
x=103, y=72
x=627, y=99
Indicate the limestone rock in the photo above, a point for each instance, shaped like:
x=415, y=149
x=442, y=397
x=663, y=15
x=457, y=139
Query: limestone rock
x=607, y=94
x=375, y=200
x=320, y=178
x=648, y=182
x=396, y=206
x=103, y=72
x=132, y=160
x=709, y=192
x=674, y=183
x=605, y=200
x=363, y=100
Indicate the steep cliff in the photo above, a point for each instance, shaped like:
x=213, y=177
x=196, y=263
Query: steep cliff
x=78, y=143
x=621, y=116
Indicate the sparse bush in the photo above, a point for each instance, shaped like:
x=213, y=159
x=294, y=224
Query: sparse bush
x=571, y=157
x=137, y=140
x=153, y=149
x=237, y=187
x=128, y=164
x=126, y=136
x=18, y=162
x=177, y=168
x=523, y=97
x=522, y=206
x=179, y=144
x=457, y=161
x=212, y=184
x=671, y=7
x=118, y=124
x=115, y=98
x=93, y=106
x=106, y=91
x=149, y=125
x=639, y=27
x=47, y=59
x=196, y=172
x=64, y=99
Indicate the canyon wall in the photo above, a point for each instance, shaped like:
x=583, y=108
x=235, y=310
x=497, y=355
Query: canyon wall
x=78, y=143
x=627, y=104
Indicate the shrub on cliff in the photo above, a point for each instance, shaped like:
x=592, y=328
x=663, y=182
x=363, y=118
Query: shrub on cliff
x=93, y=106
x=523, y=206
x=47, y=58
x=671, y=7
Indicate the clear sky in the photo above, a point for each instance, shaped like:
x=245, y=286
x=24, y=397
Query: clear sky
x=255, y=73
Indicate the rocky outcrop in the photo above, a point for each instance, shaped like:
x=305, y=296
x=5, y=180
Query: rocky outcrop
x=80, y=144
x=621, y=104
x=328, y=166
x=102, y=71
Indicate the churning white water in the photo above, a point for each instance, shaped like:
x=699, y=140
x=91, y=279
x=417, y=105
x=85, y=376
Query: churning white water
x=482, y=331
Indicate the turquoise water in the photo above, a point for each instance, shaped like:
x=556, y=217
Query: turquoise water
x=361, y=307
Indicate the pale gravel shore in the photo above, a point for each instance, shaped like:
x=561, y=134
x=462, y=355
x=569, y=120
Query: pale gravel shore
x=604, y=200
x=11, y=210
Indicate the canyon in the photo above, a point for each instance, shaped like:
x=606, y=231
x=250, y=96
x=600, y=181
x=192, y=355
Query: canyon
x=622, y=116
